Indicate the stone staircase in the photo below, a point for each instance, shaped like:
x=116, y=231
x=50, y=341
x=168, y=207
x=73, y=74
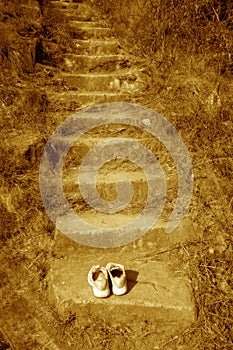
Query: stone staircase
x=98, y=70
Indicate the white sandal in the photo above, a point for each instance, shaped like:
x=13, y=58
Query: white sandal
x=118, y=278
x=98, y=280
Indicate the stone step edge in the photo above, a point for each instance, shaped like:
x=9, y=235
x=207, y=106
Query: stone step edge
x=161, y=223
x=118, y=74
x=84, y=27
x=148, y=292
x=92, y=57
x=91, y=24
x=71, y=92
x=74, y=93
x=96, y=40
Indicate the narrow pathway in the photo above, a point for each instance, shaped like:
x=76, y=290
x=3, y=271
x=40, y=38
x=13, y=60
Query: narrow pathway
x=158, y=306
x=98, y=69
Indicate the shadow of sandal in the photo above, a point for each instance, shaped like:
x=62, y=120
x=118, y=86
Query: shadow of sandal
x=132, y=276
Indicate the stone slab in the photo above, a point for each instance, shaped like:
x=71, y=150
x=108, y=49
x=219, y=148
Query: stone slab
x=153, y=242
x=94, y=82
x=72, y=100
x=87, y=32
x=77, y=10
x=86, y=24
x=98, y=47
x=100, y=63
x=156, y=292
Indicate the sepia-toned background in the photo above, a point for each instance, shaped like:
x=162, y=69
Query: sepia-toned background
x=59, y=57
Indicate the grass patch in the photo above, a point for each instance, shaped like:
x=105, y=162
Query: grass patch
x=186, y=50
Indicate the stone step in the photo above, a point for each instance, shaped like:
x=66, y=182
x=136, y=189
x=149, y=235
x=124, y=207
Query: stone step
x=99, y=221
x=98, y=47
x=65, y=4
x=86, y=63
x=110, y=175
x=86, y=32
x=77, y=10
x=149, y=243
x=73, y=1
x=97, y=137
x=72, y=100
x=67, y=1
x=62, y=1
x=105, y=182
x=104, y=216
x=94, y=82
x=157, y=293
x=87, y=24
x=72, y=14
x=130, y=205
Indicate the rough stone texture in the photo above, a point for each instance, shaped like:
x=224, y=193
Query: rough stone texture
x=155, y=291
x=153, y=242
x=97, y=70
x=72, y=101
x=98, y=46
x=84, y=63
x=86, y=32
x=92, y=82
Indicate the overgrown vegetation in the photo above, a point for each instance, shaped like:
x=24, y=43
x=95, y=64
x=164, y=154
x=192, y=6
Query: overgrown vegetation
x=32, y=44
x=170, y=29
x=186, y=47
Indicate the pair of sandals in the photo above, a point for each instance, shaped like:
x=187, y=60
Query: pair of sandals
x=100, y=279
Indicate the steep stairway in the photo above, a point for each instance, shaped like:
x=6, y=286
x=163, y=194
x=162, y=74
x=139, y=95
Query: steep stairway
x=158, y=306
x=97, y=69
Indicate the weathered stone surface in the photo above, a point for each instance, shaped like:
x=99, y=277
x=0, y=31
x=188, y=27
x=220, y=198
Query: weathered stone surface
x=86, y=63
x=156, y=240
x=73, y=100
x=155, y=291
x=98, y=46
x=87, y=24
x=85, y=32
x=94, y=82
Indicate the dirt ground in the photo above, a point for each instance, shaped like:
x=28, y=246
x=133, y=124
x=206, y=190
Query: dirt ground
x=188, y=64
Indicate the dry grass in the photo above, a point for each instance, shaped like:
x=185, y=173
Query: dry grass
x=211, y=272
x=188, y=61
x=174, y=28
x=187, y=48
